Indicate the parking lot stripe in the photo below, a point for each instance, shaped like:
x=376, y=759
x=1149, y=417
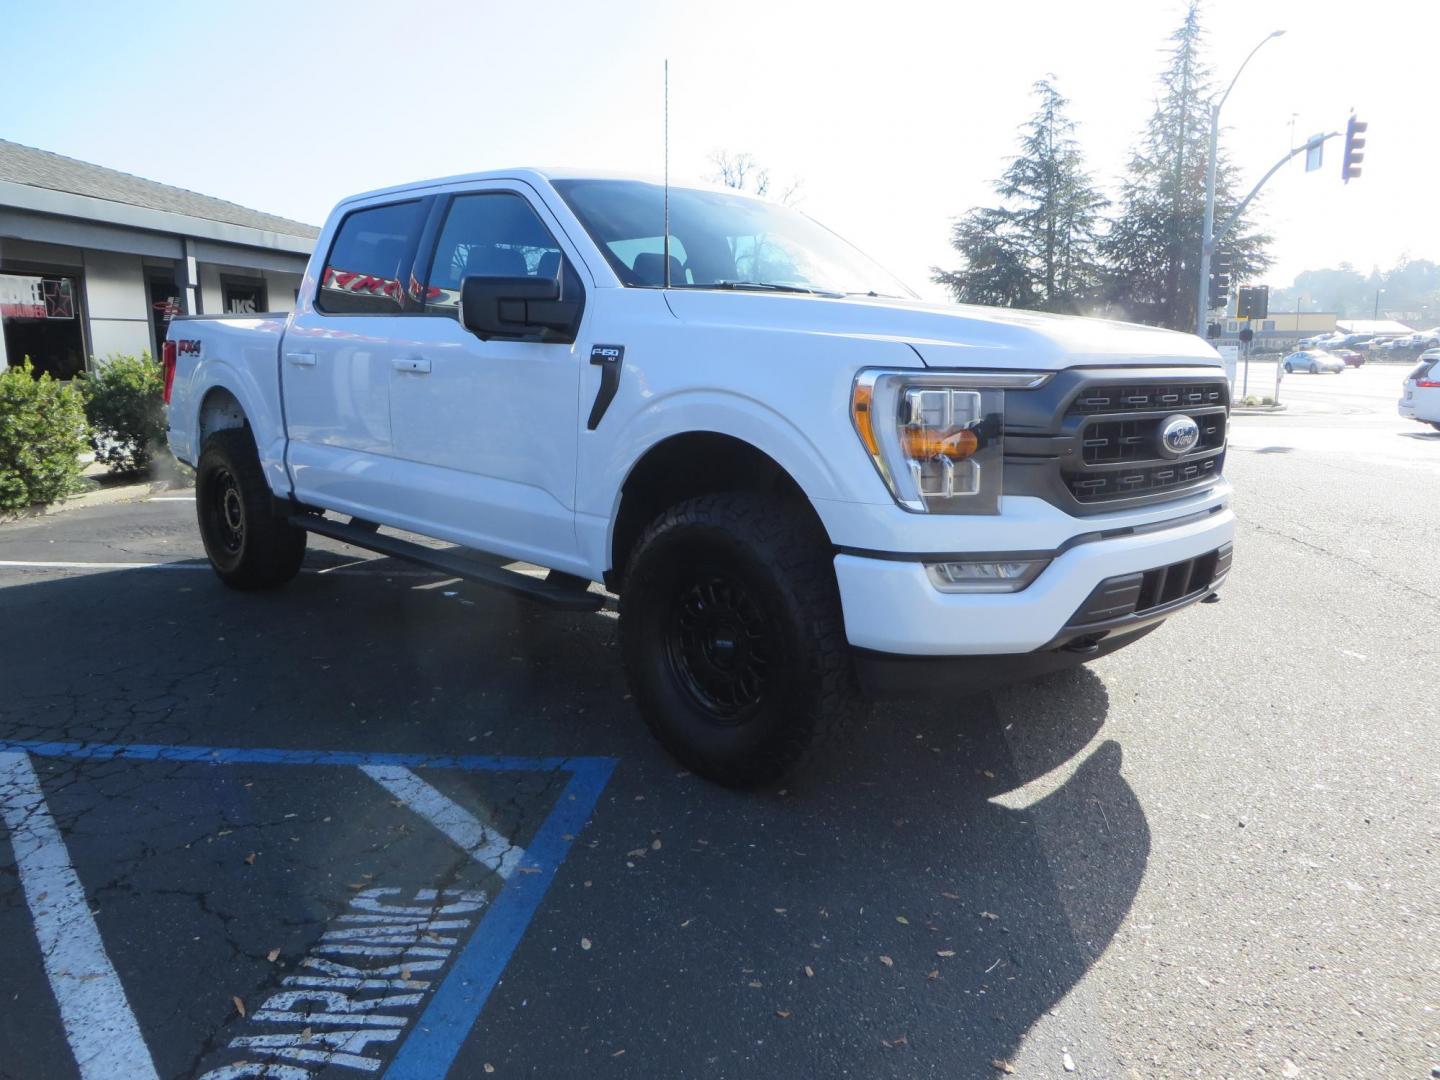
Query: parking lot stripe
x=452, y=1012
x=94, y=1010
x=486, y=846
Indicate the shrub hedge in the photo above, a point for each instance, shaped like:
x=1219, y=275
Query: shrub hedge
x=125, y=406
x=42, y=435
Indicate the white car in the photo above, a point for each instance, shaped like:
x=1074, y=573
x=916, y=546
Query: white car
x=1421, y=397
x=800, y=480
x=1315, y=361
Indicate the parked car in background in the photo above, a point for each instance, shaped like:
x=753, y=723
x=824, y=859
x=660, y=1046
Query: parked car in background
x=1315, y=361
x=1351, y=358
x=1420, y=399
x=1426, y=339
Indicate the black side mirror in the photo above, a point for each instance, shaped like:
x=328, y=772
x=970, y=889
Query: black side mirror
x=517, y=307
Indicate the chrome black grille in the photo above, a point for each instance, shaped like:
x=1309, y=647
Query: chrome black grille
x=1142, y=480
x=1136, y=397
x=1117, y=427
x=1136, y=440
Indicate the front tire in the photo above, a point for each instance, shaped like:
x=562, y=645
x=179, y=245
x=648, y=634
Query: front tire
x=249, y=545
x=1314, y=369
x=732, y=636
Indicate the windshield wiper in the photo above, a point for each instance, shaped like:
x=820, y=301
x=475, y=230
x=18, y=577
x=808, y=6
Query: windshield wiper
x=763, y=286
x=877, y=295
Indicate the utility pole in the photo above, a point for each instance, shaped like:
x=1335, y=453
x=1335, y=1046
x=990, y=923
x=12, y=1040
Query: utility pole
x=1376, y=314
x=1207, y=244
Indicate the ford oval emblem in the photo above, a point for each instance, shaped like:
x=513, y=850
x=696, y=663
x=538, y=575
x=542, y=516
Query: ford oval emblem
x=1179, y=434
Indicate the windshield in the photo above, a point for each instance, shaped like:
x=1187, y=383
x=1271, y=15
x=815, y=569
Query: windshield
x=719, y=240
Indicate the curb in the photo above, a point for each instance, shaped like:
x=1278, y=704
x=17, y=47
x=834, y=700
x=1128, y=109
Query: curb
x=109, y=496
x=1257, y=410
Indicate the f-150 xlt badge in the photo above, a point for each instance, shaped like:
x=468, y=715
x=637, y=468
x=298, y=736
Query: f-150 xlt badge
x=608, y=359
x=1178, y=435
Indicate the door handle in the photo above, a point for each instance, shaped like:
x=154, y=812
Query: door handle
x=301, y=359
x=417, y=365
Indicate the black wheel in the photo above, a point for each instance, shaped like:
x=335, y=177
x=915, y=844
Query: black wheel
x=1314, y=369
x=732, y=636
x=250, y=546
x=1435, y=424
x=1289, y=370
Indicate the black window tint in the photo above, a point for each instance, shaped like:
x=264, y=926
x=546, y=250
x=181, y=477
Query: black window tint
x=492, y=235
x=368, y=260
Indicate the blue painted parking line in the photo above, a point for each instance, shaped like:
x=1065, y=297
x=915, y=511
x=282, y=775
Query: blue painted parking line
x=455, y=1006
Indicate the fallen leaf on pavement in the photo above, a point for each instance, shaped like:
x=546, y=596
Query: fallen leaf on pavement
x=950, y=895
x=1003, y=1066
x=945, y=952
x=755, y=984
x=239, y=1005
x=988, y=915
x=585, y=943
x=934, y=974
x=783, y=1014
x=489, y=1067
x=250, y=859
x=655, y=844
x=887, y=961
x=272, y=955
x=902, y=920
x=809, y=972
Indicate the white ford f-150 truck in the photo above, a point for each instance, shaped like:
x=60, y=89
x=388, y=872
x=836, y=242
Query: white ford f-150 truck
x=803, y=483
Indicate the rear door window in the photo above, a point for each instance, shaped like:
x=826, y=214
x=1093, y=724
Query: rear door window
x=371, y=254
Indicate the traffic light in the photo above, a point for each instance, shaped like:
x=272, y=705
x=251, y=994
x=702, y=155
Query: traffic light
x=1254, y=302
x=1220, y=278
x=1212, y=332
x=1354, y=148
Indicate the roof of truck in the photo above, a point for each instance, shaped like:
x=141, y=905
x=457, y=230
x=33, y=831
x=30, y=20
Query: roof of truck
x=532, y=174
x=20, y=164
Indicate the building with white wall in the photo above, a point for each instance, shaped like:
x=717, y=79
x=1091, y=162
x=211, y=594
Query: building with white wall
x=94, y=262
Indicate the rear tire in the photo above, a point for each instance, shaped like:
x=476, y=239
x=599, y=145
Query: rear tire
x=249, y=545
x=1314, y=369
x=733, y=638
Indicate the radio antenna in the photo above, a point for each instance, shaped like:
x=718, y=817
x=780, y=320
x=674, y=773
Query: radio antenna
x=666, y=234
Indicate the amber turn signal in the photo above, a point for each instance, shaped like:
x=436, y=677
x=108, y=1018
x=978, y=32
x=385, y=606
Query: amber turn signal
x=923, y=443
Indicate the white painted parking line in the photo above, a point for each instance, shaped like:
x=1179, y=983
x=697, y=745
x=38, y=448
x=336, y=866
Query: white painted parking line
x=171, y=498
x=98, y=1021
x=483, y=844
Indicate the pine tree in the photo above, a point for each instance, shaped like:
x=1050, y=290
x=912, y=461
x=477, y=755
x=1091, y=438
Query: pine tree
x=1039, y=248
x=1153, y=247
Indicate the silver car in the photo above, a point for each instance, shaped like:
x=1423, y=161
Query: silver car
x=1315, y=361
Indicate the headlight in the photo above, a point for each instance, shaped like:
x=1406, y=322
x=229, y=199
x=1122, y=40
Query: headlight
x=938, y=438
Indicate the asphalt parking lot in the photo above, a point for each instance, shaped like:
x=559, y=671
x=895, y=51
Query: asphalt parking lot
x=384, y=823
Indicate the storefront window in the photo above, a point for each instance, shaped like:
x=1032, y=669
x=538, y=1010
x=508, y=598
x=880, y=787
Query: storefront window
x=164, y=306
x=242, y=297
x=41, y=322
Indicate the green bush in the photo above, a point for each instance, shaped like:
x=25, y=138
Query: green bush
x=42, y=435
x=124, y=401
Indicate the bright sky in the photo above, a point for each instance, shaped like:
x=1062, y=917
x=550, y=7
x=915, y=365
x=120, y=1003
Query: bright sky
x=896, y=116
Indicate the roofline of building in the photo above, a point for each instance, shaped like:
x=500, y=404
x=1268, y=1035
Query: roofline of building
x=86, y=207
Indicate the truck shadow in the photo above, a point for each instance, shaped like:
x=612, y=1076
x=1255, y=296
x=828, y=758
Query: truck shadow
x=913, y=905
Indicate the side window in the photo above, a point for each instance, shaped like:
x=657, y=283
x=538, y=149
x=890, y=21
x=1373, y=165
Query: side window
x=492, y=234
x=368, y=260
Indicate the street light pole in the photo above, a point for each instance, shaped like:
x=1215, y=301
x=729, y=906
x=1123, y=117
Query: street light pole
x=1376, y=314
x=1207, y=243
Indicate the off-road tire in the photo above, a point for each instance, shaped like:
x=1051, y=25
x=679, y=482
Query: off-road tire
x=732, y=636
x=249, y=545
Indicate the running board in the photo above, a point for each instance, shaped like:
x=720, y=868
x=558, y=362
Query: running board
x=569, y=596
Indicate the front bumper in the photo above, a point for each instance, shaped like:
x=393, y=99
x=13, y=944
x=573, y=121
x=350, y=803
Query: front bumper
x=891, y=607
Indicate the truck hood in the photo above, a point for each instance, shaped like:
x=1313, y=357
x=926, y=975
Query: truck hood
x=949, y=335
